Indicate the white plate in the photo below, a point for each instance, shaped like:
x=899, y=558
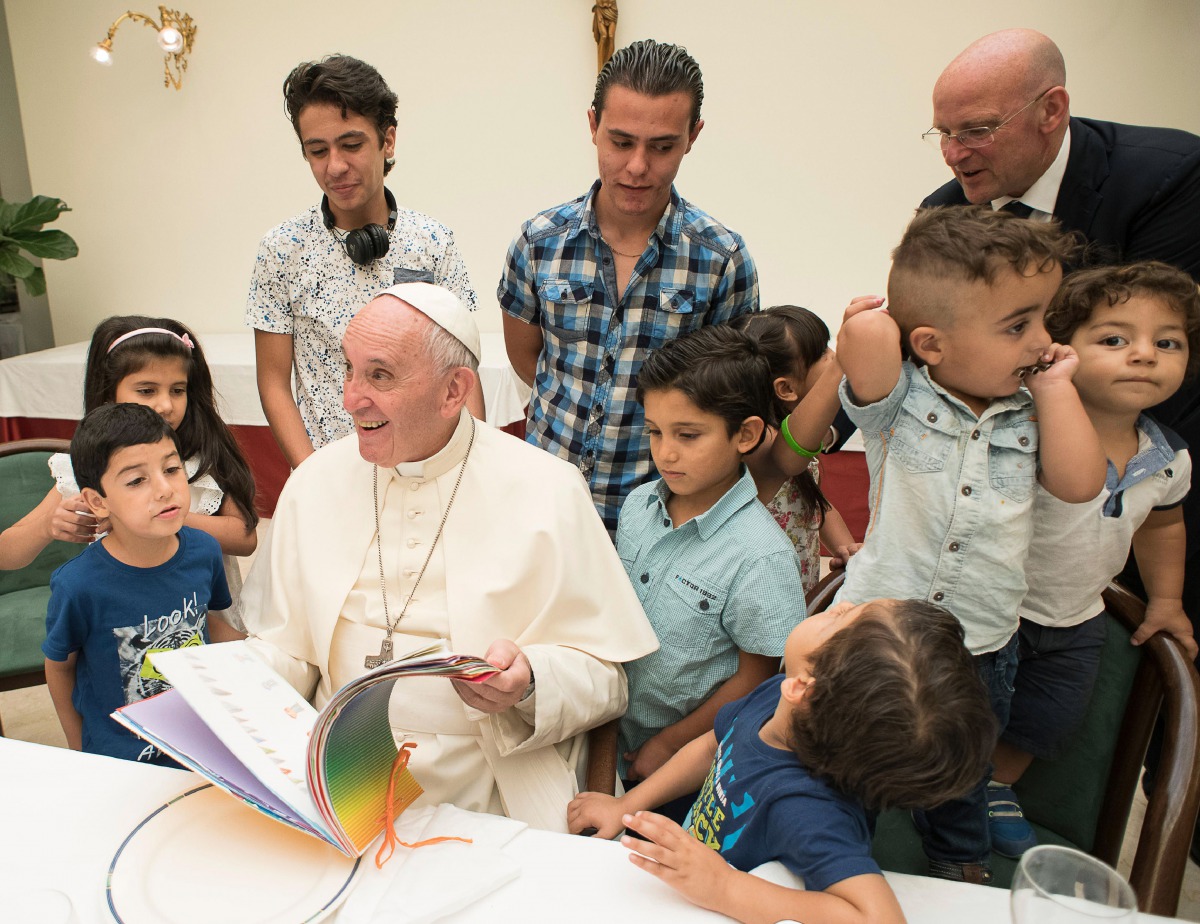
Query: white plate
x=206, y=857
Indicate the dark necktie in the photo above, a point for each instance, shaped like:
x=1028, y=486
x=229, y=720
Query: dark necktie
x=1018, y=208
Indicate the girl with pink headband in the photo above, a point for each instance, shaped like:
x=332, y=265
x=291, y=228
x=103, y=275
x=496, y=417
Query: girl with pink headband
x=156, y=362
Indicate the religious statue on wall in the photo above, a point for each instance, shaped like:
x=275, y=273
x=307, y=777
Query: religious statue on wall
x=604, y=29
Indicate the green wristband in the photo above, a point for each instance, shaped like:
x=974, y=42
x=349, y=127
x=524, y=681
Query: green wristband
x=796, y=447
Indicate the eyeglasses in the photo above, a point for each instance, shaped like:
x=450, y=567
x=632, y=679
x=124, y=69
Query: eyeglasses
x=979, y=137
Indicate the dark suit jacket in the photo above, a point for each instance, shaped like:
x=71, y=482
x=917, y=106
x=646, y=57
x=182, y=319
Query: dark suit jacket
x=1134, y=193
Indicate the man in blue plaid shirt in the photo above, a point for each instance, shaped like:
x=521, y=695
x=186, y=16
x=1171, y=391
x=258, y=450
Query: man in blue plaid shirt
x=592, y=286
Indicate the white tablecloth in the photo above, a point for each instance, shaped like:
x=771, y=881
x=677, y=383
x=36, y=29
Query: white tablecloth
x=49, y=383
x=63, y=815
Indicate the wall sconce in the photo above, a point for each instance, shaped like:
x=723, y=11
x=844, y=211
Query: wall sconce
x=175, y=35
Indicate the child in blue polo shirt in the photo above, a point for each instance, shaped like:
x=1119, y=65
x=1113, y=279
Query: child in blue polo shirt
x=717, y=577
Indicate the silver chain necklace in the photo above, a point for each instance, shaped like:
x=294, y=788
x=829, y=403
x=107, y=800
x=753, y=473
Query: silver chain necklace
x=385, y=650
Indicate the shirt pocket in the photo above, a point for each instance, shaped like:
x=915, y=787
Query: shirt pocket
x=693, y=604
x=678, y=313
x=1012, y=462
x=567, y=307
x=924, y=435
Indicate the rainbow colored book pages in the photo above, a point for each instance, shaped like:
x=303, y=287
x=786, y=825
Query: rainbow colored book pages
x=234, y=720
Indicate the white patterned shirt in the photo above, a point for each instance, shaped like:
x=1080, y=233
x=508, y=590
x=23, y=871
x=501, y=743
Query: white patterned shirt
x=305, y=285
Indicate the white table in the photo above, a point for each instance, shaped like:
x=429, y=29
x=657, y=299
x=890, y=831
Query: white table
x=63, y=815
x=49, y=383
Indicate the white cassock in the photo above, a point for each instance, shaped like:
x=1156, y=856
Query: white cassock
x=529, y=560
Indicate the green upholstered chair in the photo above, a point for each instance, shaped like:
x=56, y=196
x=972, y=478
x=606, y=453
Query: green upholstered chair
x=1083, y=799
x=24, y=481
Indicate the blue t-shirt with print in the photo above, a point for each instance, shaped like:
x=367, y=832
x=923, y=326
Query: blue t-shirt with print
x=759, y=804
x=112, y=614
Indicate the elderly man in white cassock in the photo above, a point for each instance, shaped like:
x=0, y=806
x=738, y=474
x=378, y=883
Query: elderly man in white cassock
x=426, y=524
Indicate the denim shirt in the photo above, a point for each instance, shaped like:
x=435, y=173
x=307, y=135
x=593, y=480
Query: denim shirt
x=560, y=275
x=723, y=582
x=951, y=503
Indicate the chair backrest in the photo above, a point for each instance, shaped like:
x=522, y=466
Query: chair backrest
x=26, y=478
x=1083, y=799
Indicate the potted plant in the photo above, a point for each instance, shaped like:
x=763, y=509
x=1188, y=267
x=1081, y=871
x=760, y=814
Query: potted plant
x=21, y=230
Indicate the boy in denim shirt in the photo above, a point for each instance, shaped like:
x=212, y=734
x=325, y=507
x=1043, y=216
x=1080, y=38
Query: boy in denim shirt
x=955, y=446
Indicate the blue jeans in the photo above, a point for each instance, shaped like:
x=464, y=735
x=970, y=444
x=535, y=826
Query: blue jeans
x=958, y=830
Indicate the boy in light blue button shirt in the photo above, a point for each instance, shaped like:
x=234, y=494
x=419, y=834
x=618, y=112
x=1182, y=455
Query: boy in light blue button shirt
x=717, y=577
x=965, y=405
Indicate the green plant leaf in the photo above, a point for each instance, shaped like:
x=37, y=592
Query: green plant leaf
x=36, y=212
x=14, y=264
x=51, y=245
x=8, y=211
x=36, y=283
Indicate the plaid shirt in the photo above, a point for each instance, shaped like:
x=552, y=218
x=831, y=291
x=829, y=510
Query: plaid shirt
x=560, y=275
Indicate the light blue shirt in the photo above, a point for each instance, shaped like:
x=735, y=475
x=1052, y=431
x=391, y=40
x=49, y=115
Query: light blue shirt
x=951, y=504
x=723, y=582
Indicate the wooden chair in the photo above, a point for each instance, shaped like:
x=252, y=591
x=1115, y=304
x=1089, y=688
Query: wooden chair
x=1083, y=799
x=24, y=593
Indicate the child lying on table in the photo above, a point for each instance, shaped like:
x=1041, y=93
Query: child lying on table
x=880, y=706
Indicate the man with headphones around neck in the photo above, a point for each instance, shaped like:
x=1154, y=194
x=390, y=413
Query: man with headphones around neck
x=315, y=271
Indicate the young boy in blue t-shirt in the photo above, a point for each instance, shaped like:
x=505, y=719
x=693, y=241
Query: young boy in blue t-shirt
x=880, y=706
x=965, y=406
x=146, y=586
x=718, y=579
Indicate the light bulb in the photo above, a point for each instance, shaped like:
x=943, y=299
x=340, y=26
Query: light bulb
x=101, y=55
x=170, y=40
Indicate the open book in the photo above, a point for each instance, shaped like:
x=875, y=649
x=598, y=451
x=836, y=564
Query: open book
x=233, y=719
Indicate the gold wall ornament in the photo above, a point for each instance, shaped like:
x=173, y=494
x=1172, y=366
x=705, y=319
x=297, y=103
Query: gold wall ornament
x=604, y=30
x=176, y=32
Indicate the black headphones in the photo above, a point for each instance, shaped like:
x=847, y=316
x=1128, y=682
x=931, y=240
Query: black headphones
x=366, y=244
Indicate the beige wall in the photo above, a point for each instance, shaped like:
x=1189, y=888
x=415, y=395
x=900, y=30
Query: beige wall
x=810, y=150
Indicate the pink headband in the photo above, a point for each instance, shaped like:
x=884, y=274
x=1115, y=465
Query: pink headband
x=185, y=339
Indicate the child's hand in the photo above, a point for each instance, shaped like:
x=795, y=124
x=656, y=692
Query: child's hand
x=649, y=757
x=73, y=521
x=1063, y=362
x=860, y=304
x=595, y=810
x=678, y=859
x=841, y=555
x=1169, y=617
x=818, y=369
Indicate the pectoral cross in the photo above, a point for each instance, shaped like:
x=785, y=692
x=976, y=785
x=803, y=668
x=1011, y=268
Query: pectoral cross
x=385, y=654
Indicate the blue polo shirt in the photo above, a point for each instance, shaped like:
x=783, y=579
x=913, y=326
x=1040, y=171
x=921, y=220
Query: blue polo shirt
x=723, y=582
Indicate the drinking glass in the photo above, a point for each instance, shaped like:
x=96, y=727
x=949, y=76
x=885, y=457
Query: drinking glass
x=1058, y=885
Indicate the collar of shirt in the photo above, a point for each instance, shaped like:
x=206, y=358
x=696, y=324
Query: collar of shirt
x=1154, y=453
x=1043, y=194
x=445, y=458
x=667, y=231
x=742, y=493
x=1014, y=402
